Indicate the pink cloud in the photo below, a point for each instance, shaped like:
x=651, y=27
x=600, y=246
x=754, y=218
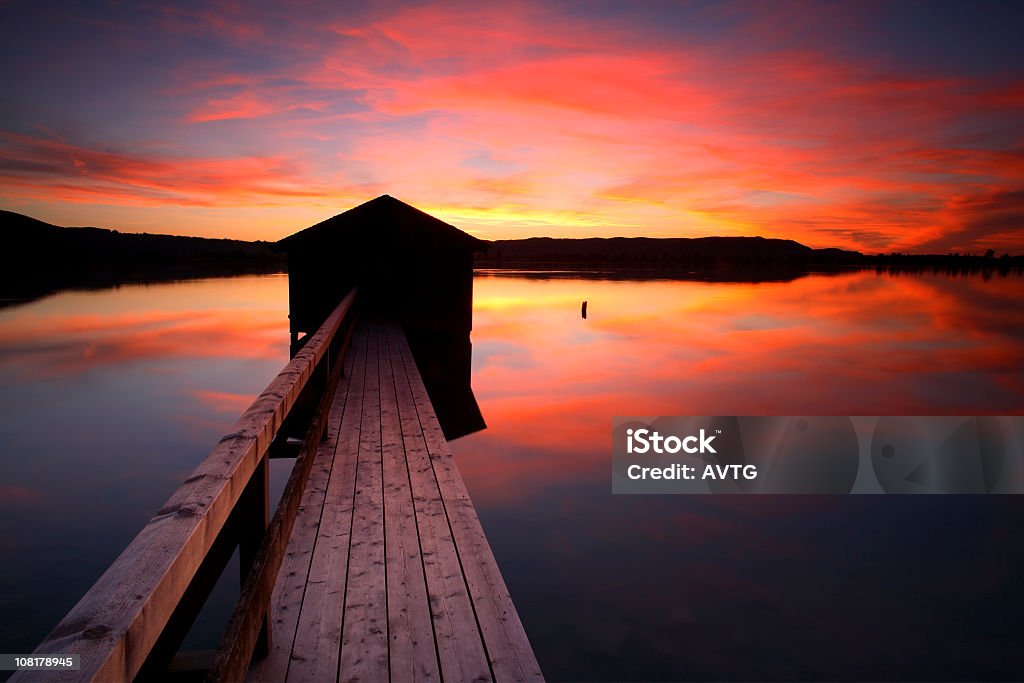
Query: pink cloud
x=43, y=168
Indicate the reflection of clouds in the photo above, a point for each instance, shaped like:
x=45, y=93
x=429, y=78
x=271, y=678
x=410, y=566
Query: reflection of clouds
x=59, y=346
x=504, y=354
x=816, y=345
x=15, y=495
x=200, y=430
x=223, y=401
x=108, y=399
x=714, y=587
x=503, y=471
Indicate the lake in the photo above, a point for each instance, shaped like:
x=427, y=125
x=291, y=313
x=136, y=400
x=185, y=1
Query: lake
x=109, y=399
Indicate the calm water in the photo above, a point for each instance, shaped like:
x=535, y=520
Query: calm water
x=108, y=399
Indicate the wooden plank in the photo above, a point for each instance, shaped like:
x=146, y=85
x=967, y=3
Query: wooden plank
x=291, y=582
x=115, y=625
x=314, y=656
x=511, y=655
x=412, y=654
x=460, y=647
x=508, y=648
x=247, y=626
x=364, y=643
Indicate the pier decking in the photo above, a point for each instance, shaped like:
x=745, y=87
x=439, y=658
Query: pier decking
x=388, y=572
x=372, y=567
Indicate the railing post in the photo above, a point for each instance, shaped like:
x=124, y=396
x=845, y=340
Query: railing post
x=253, y=518
x=323, y=384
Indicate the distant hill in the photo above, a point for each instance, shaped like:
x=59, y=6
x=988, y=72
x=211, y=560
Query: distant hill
x=39, y=257
x=733, y=258
x=46, y=245
x=656, y=252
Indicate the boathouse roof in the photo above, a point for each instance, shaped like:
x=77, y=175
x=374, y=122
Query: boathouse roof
x=388, y=221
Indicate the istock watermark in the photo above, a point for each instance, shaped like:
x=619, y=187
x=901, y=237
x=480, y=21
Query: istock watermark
x=646, y=440
x=819, y=455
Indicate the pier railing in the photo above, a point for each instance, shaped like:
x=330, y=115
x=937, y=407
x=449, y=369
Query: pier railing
x=132, y=621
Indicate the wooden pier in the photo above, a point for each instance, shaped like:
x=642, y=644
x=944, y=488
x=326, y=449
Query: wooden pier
x=373, y=567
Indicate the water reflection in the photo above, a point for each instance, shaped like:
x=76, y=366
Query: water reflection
x=445, y=363
x=109, y=399
x=782, y=587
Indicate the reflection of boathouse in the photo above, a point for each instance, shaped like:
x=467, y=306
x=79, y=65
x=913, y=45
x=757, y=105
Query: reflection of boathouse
x=409, y=267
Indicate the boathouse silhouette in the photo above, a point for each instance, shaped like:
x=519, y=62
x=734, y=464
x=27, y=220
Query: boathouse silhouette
x=410, y=267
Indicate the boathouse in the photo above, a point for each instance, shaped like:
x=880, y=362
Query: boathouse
x=410, y=268
x=408, y=265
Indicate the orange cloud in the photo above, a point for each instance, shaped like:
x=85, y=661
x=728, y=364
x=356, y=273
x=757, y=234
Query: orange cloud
x=40, y=168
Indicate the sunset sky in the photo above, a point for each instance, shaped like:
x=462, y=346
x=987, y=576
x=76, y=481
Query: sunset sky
x=874, y=126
